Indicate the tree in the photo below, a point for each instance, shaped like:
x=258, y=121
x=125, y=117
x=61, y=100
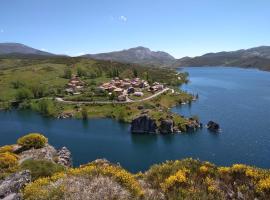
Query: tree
x=135, y=72
x=81, y=72
x=23, y=94
x=84, y=113
x=46, y=107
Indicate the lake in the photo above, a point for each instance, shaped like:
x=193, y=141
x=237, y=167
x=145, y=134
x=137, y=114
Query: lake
x=238, y=99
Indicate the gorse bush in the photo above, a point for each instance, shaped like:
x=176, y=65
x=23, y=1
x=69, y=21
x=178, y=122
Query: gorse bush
x=8, y=163
x=32, y=140
x=8, y=160
x=55, y=187
x=6, y=148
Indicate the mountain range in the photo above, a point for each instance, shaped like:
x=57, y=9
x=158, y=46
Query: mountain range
x=140, y=55
x=17, y=48
x=258, y=57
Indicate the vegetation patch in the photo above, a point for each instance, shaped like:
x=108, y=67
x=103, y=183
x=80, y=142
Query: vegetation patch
x=32, y=140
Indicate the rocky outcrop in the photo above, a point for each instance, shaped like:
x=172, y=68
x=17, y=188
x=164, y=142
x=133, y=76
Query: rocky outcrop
x=213, y=126
x=64, y=157
x=193, y=125
x=166, y=126
x=144, y=124
x=46, y=153
x=10, y=187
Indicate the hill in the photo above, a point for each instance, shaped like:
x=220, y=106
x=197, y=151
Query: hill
x=258, y=57
x=139, y=55
x=17, y=49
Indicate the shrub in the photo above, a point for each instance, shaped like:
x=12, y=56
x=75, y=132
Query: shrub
x=32, y=140
x=177, y=179
x=54, y=187
x=41, y=168
x=24, y=94
x=6, y=148
x=264, y=185
x=46, y=107
x=8, y=161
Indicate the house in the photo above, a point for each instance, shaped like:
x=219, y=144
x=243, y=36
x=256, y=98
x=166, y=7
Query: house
x=122, y=98
x=138, y=94
x=118, y=91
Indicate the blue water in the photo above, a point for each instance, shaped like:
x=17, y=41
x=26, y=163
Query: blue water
x=238, y=99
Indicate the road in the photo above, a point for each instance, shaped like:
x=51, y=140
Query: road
x=113, y=102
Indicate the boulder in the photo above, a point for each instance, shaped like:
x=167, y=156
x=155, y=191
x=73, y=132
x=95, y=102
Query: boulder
x=192, y=125
x=144, y=124
x=166, y=126
x=213, y=126
x=10, y=187
x=46, y=153
x=64, y=157
x=61, y=156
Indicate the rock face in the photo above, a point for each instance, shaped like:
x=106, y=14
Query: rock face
x=11, y=186
x=46, y=153
x=64, y=157
x=213, y=126
x=166, y=126
x=143, y=124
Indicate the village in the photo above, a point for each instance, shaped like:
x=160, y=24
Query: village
x=121, y=89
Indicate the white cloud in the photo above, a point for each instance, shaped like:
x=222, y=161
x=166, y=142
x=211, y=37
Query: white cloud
x=79, y=54
x=123, y=18
x=43, y=49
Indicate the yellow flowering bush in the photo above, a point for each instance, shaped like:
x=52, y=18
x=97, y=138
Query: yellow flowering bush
x=239, y=168
x=180, y=177
x=252, y=173
x=203, y=169
x=6, y=148
x=47, y=187
x=223, y=170
x=32, y=140
x=264, y=185
x=43, y=189
x=8, y=161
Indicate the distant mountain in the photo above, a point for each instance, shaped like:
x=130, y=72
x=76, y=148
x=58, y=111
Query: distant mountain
x=140, y=55
x=258, y=57
x=20, y=49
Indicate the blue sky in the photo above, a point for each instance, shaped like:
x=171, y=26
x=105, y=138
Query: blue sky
x=179, y=27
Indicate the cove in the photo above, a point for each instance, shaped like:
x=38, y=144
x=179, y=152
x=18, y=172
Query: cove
x=238, y=99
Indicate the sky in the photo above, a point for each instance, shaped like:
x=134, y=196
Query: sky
x=179, y=27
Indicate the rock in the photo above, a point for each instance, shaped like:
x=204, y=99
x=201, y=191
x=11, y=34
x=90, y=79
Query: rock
x=192, y=125
x=13, y=196
x=144, y=124
x=213, y=126
x=166, y=126
x=64, y=157
x=11, y=185
x=46, y=153
x=65, y=115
